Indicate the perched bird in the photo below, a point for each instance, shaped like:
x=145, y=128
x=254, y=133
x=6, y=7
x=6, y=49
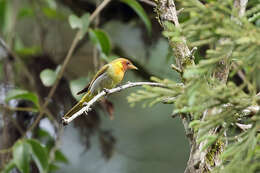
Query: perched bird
x=107, y=77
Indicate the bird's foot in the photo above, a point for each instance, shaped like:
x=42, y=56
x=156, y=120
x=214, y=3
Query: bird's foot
x=88, y=108
x=86, y=111
x=106, y=91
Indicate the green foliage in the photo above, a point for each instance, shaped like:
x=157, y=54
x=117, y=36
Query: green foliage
x=215, y=27
x=52, y=13
x=141, y=13
x=81, y=23
x=31, y=149
x=2, y=12
x=48, y=76
x=101, y=40
x=51, y=3
x=22, y=94
x=227, y=38
x=23, y=50
x=25, y=12
x=21, y=156
x=9, y=167
x=60, y=157
x=39, y=155
x=77, y=85
x=153, y=95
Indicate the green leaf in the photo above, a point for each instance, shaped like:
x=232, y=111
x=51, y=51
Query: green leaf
x=77, y=85
x=39, y=155
x=85, y=24
x=104, y=57
x=51, y=3
x=21, y=156
x=3, y=7
x=25, y=51
x=9, y=167
x=48, y=77
x=52, y=13
x=41, y=133
x=60, y=157
x=194, y=123
x=25, y=12
x=257, y=23
x=58, y=69
x=140, y=11
x=53, y=167
x=75, y=22
x=22, y=94
x=101, y=40
x=80, y=23
x=22, y=50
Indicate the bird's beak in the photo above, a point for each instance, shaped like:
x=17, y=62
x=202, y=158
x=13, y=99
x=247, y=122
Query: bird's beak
x=131, y=66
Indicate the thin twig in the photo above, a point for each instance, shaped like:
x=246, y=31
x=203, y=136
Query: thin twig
x=65, y=63
x=99, y=9
x=177, y=69
x=149, y=2
x=242, y=76
x=57, y=144
x=244, y=127
x=27, y=74
x=251, y=110
x=105, y=92
x=179, y=11
x=7, y=150
x=95, y=50
x=27, y=109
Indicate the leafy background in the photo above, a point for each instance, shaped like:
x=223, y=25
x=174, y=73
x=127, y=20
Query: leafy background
x=38, y=35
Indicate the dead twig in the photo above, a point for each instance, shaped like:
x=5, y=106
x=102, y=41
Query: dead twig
x=106, y=92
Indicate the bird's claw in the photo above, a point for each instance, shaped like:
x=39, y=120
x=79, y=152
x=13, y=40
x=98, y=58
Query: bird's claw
x=86, y=111
x=106, y=91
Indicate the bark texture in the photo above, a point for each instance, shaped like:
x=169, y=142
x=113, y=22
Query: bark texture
x=199, y=160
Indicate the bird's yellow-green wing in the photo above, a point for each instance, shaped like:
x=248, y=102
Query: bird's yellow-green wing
x=99, y=73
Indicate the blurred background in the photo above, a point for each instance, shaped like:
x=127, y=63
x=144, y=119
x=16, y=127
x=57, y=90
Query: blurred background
x=36, y=36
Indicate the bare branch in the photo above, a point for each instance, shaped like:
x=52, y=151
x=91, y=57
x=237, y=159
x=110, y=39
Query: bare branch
x=148, y=2
x=251, y=110
x=167, y=12
x=244, y=127
x=179, y=11
x=241, y=6
x=105, y=92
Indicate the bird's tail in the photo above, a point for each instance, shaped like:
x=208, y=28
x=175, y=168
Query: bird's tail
x=77, y=107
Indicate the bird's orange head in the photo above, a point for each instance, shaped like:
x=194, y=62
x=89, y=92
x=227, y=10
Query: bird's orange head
x=125, y=64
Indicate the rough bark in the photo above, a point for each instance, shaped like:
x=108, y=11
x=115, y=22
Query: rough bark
x=199, y=160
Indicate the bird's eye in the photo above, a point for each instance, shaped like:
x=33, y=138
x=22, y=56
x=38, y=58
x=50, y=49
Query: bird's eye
x=127, y=63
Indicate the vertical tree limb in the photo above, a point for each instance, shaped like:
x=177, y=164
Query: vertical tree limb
x=166, y=11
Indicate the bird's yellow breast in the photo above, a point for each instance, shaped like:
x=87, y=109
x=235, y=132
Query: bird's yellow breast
x=116, y=72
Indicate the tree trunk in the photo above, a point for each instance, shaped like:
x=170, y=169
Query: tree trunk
x=199, y=160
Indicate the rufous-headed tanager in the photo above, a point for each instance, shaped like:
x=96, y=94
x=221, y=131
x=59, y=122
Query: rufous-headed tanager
x=107, y=77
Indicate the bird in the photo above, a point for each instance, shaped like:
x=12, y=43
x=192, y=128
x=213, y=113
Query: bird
x=107, y=77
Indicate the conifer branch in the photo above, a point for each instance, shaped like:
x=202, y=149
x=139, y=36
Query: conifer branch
x=168, y=13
